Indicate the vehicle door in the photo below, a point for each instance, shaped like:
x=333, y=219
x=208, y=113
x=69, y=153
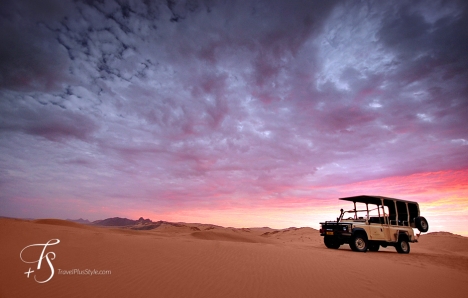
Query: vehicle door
x=376, y=228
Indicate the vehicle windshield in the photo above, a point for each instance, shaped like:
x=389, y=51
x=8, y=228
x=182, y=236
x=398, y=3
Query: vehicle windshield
x=363, y=212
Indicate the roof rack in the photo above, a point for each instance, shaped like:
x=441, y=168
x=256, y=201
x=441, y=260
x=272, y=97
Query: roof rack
x=376, y=200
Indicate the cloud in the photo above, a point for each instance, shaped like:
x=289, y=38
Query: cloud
x=175, y=104
x=50, y=120
x=29, y=58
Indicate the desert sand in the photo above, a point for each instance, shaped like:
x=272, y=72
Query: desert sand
x=194, y=260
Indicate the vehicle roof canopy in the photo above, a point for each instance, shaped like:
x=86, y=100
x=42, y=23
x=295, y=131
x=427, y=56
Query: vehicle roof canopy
x=376, y=200
x=397, y=209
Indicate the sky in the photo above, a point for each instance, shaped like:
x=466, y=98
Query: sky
x=236, y=113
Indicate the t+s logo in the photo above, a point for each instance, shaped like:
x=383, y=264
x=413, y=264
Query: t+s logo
x=49, y=257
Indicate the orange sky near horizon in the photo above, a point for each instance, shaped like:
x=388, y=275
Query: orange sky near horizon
x=442, y=197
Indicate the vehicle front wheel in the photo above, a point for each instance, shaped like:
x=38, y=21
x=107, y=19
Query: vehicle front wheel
x=359, y=243
x=331, y=242
x=403, y=246
x=374, y=247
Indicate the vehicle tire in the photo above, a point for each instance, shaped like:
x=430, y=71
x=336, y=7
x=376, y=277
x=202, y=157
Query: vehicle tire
x=359, y=242
x=421, y=224
x=331, y=242
x=374, y=247
x=403, y=246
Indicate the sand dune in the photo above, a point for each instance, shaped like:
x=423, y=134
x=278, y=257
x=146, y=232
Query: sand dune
x=229, y=235
x=212, y=261
x=444, y=243
x=60, y=222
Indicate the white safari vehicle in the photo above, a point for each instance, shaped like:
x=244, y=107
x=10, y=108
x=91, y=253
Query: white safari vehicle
x=380, y=221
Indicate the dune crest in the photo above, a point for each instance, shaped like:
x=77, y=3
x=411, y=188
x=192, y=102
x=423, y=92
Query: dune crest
x=60, y=222
x=225, y=236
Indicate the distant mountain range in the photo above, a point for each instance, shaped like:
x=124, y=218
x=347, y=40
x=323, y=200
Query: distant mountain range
x=114, y=222
x=80, y=220
x=118, y=221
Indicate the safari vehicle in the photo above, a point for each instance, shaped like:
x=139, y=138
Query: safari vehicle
x=389, y=222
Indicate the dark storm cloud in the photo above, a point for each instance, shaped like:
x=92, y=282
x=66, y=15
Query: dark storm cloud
x=29, y=59
x=52, y=122
x=200, y=101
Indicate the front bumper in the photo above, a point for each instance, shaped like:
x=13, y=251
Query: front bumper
x=336, y=230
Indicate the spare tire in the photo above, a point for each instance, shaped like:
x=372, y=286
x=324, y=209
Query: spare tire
x=421, y=224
